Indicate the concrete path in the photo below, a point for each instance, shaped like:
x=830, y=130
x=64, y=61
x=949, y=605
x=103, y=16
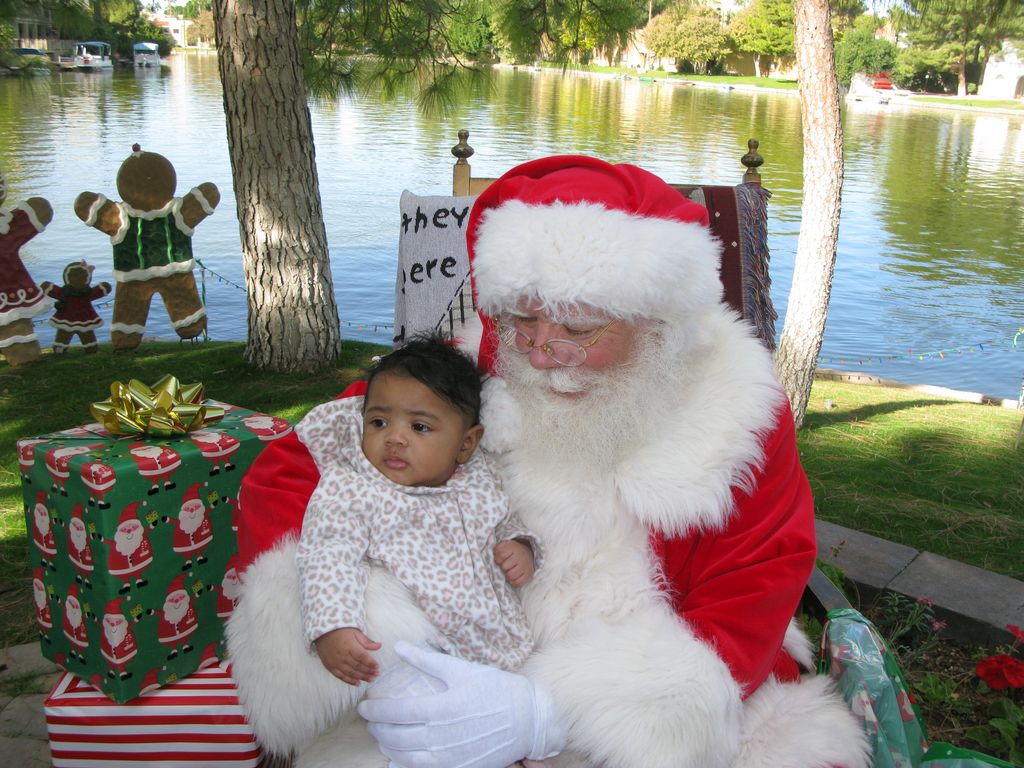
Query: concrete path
x=976, y=604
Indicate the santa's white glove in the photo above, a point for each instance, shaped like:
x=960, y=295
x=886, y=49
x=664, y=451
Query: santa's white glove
x=487, y=718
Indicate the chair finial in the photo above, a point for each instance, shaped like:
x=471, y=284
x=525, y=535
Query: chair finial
x=752, y=160
x=462, y=150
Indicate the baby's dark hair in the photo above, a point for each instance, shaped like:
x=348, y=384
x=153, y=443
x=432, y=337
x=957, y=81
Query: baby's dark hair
x=440, y=367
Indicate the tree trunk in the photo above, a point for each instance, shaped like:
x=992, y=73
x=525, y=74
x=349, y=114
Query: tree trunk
x=293, y=318
x=757, y=65
x=806, y=311
x=961, y=80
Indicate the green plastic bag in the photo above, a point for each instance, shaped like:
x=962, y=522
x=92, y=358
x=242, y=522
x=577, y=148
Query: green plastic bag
x=870, y=681
x=867, y=675
x=942, y=755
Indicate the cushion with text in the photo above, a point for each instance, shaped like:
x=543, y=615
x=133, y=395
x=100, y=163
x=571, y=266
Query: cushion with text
x=433, y=265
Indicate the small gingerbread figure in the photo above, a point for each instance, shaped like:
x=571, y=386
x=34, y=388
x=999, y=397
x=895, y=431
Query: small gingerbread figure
x=151, y=231
x=20, y=298
x=75, y=315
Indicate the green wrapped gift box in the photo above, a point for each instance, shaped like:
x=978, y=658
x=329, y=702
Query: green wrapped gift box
x=132, y=540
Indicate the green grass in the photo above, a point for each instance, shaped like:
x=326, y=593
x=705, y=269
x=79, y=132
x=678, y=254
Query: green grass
x=918, y=469
x=971, y=102
x=914, y=468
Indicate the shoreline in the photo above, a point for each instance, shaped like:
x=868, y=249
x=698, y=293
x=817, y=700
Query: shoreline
x=855, y=377
x=880, y=99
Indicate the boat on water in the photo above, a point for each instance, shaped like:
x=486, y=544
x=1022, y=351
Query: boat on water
x=92, y=56
x=146, y=54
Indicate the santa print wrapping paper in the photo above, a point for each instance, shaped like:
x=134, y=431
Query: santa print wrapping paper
x=196, y=721
x=132, y=542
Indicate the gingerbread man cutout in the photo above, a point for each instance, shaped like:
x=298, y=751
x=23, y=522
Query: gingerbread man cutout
x=75, y=315
x=20, y=298
x=151, y=232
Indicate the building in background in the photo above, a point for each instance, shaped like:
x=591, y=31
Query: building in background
x=1004, y=74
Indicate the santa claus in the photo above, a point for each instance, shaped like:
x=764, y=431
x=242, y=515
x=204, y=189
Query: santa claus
x=57, y=461
x=74, y=625
x=27, y=455
x=267, y=428
x=78, y=546
x=643, y=437
x=42, y=531
x=41, y=598
x=118, y=644
x=229, y=591
x=130, y=552
x=192, y=531
x=177, y=619
x=217, y=447
x=99, y=478
x=155, y=463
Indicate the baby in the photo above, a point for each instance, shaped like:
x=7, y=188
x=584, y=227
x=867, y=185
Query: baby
x=401, y=487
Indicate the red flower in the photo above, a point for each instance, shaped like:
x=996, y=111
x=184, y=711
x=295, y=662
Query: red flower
x=1017, y=632
x=1001, y=671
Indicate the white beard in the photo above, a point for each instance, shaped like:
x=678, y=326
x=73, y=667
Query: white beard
x=615, y=408
x=126, y=543
x=191, y=517
x=175, y=612
x=78, y=536
x=115, y=633
x=73, y=612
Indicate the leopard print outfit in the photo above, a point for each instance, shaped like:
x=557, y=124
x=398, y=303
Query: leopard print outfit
x=437, y=541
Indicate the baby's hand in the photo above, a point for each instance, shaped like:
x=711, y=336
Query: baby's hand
x=345, y=654
x=516, y=560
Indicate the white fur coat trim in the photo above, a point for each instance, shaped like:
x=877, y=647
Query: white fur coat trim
x=570, y=254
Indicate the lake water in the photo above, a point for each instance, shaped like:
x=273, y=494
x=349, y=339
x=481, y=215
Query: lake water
x=929, y=283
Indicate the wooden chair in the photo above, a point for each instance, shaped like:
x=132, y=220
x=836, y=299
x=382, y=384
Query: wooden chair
x=739, y=218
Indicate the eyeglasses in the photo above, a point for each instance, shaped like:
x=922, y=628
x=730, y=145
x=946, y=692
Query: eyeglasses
x=569, y=354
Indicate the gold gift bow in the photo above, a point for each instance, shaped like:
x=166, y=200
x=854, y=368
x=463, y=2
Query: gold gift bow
x=165, y=409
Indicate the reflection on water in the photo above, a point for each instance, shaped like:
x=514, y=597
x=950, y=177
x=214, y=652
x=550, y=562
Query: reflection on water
x=929, y=254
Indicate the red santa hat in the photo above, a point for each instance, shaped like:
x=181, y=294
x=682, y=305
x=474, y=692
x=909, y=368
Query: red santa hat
x=570, y=230
x=37, y=574
x=113, y=606
x=131, y=512
x=41, y=498
x=192, y=494
x=73, y=591
x=177, y=583
x=77, y=511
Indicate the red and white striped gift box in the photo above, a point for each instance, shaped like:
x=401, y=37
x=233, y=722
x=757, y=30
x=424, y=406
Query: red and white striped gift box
x=195, y=721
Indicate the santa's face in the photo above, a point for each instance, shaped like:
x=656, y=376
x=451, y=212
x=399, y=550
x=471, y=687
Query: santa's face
x=115, y=628
x=128, y=536
x=600, y=341
x=588, y=417
x=73, y=611
x=191, y=516
x=39, y=593
x=207, y=439
x=259, y=422
x=76, y=532
x=42, y=517
x=176, y=606
x=231, y=584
